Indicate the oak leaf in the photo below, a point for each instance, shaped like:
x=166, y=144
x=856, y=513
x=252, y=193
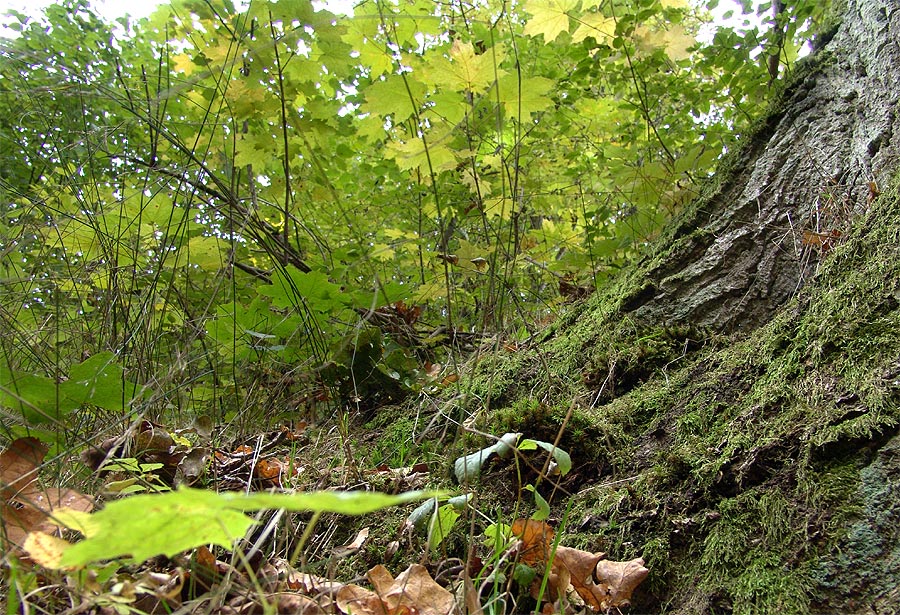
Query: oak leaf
x=601, y=583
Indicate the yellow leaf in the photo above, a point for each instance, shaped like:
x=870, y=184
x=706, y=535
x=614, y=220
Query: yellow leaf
x=549, y=17
x=182, y=63
x=413, y=154
x=45, y=549
x=675, y=41
x=597, y=25
x=464, y=69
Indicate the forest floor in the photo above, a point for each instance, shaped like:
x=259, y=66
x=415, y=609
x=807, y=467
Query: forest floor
x=754, y=472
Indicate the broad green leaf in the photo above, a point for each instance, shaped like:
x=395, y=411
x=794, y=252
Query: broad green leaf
x=521, y=100
x=390, y=97
x=36, y=397
x=543, y=508
x=293, y=288
x=142, y=526
x=206, y=253
x=596, y=25
x=441, y=525
x=561, y=457
x=98, y=380
x=549, y=18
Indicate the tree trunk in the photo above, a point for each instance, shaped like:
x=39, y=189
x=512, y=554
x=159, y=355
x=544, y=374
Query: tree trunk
x=811, y=168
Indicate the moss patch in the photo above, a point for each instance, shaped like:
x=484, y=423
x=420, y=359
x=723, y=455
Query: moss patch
x=756, y=474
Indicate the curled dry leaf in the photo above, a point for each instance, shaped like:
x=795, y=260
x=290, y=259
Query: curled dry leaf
x=353, y=546
x=619, y=579
x=601, y=583
x=413, y=591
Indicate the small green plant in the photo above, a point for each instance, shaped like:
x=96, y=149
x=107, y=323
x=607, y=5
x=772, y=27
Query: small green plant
x=142, y=477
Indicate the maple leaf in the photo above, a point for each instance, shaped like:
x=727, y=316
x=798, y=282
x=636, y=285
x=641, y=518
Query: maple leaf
x=464, y=69
x=521, y=100
x=549, y=17
x=597, y=25
x=413, y=154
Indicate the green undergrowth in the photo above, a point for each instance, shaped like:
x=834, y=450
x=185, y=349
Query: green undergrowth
x=754, y=474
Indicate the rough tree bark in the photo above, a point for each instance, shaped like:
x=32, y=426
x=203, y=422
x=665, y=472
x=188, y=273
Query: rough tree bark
x=808, y=170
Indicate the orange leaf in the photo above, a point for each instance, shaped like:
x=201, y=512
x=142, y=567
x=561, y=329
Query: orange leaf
x=269, y=469
x=601, y=583
x=536, y=537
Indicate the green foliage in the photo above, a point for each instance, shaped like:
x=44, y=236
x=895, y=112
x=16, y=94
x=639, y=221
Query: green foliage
x=142, y=526
x=239, y=187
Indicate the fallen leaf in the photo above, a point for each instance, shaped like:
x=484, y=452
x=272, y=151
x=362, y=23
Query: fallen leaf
x=601, y=583
x=18, y=468
x=353, y=546
x=412, y=592
x=25, y=506
x=619, y=579
x=45, y=549
x=536, y=538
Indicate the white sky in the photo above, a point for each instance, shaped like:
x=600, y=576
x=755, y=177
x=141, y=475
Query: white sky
x=112, y=9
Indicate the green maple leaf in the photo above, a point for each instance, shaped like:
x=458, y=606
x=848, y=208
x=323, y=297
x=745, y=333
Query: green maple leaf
x=597, y=25
x=527, y=99
x=549, y=17
x=206, y=253
x=464, y=69
x=413, y=154
x=391, y=97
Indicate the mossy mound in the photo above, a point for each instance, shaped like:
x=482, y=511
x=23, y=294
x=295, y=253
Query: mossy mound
x=756, y=473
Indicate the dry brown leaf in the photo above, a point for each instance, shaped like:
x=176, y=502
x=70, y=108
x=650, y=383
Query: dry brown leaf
x=601, y=583
x=25, y=507
x=360, y=601
x=413, y=591
x=536, y=538
x=619, y=579
x=471, y=597
x=309, y=584
x=295, y=604
x=19, y=520
x=353, y=546
x=18, y=468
